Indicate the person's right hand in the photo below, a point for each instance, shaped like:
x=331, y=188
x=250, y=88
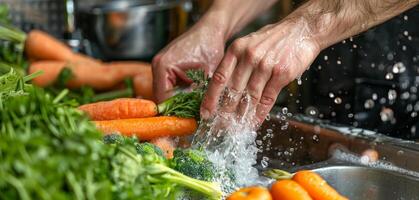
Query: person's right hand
x=202, y=47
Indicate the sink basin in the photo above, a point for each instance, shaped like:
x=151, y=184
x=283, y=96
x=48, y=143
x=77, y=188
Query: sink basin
x=334, y=152
x=361, y=183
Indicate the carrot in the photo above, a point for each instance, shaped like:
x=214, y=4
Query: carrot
x=40, y=45
x=143, y=85
x=251, y=193
x=143, y=79
x=166, y=144
x=316, y=186
x=100, y=77
x=123, y=108
x=149, y=128
x=288, y=190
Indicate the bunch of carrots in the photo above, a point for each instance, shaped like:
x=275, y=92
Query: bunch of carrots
x=303, y=185
x=52, y=56
x=148, y=121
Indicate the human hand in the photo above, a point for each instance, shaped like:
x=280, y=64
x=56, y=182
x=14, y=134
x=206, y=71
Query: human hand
x=202, y=47
x=260, y=65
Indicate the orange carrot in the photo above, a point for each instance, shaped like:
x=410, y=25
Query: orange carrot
x=100, y=77
x=149, y=128
x=316, y=186
x=40, y=45
x=166, y=144
x=288, y=190
x=143, y=79
x=143, y=85
x=123, y=108
x=251, y=193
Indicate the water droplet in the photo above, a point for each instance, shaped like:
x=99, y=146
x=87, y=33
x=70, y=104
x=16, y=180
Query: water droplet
x=316, y=138
x=299, y=81
x=405, y=17
x=405, y=95
x=333, y=114
x=284, y=110
x=264, y=162
x=355, y=46
x=406, y=33
x=343, y=41
x=399, y=68
x=338, y=100
x=331, y=95
x=369, y=103
x=268, y=117
x=404, y=48
x=400, y=152
x=351, y=39
x=259, y=142
x=392, y=95
x=386, y=114
x=409, y=38
x=326, y=58
x=413, y=129
x=413, y=114
x=374, y=96
x=390, y=56
x=389, y=76
x=338, y=62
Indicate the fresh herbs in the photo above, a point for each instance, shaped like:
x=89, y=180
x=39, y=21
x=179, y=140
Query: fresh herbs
x=186, y=104
x=12, y=43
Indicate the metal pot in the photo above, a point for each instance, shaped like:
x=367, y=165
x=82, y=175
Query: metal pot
x=133, y=29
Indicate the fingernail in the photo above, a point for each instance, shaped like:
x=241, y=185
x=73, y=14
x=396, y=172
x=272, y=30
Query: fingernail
x=205, y=114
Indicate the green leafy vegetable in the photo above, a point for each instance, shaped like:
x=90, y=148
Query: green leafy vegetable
x=186, y=104
x=50, y=150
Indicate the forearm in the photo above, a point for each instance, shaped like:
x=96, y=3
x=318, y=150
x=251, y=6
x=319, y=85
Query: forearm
x=230, y=16
x=330, y=21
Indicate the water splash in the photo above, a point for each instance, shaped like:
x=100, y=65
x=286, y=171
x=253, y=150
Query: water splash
x=229, y=140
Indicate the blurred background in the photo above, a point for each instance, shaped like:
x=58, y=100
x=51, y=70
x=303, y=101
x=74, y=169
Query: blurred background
x=368, y=81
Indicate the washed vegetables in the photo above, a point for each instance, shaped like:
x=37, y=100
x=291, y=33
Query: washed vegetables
x=50, y=150
x=123, y=108
x=289, y=190
x=149, y=128
x=316, y=187
x=252, y=193
x=194, y=163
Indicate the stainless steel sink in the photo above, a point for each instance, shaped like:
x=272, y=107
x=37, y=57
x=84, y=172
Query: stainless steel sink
x=304, y=143
x=362, y=183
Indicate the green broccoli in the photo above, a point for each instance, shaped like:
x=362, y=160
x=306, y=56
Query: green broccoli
x=133, y=161
x=193, y=163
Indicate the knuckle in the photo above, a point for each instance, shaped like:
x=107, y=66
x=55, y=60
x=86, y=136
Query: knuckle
x=267, y=100
x=237, y=45
x=265, y=67
x=219, y=78
x=156, y=60
x=251, y=54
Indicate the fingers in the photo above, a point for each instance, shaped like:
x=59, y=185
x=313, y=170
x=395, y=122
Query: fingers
x=218, y=83
x=163, y=80
x=270, y=92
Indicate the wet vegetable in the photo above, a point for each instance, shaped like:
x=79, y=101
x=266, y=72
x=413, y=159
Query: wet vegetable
x=251, y=193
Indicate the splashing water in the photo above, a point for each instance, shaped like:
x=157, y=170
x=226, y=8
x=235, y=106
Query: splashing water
x=229, y=140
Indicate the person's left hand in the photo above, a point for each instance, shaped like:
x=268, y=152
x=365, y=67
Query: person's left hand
x=261, y=64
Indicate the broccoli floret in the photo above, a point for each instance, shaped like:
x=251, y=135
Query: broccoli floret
x=148, y=148
x=113, y=139
x=193, y=163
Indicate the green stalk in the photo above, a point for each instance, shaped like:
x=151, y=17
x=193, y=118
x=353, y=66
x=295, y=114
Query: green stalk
x=208, y=188
x=10, y=34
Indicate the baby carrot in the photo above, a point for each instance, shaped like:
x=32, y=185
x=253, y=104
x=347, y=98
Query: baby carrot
x=316, y=186
x=149, y=128
x=123, y=108
x=288, y=190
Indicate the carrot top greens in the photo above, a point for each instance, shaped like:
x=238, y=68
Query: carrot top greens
x=186, y=104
